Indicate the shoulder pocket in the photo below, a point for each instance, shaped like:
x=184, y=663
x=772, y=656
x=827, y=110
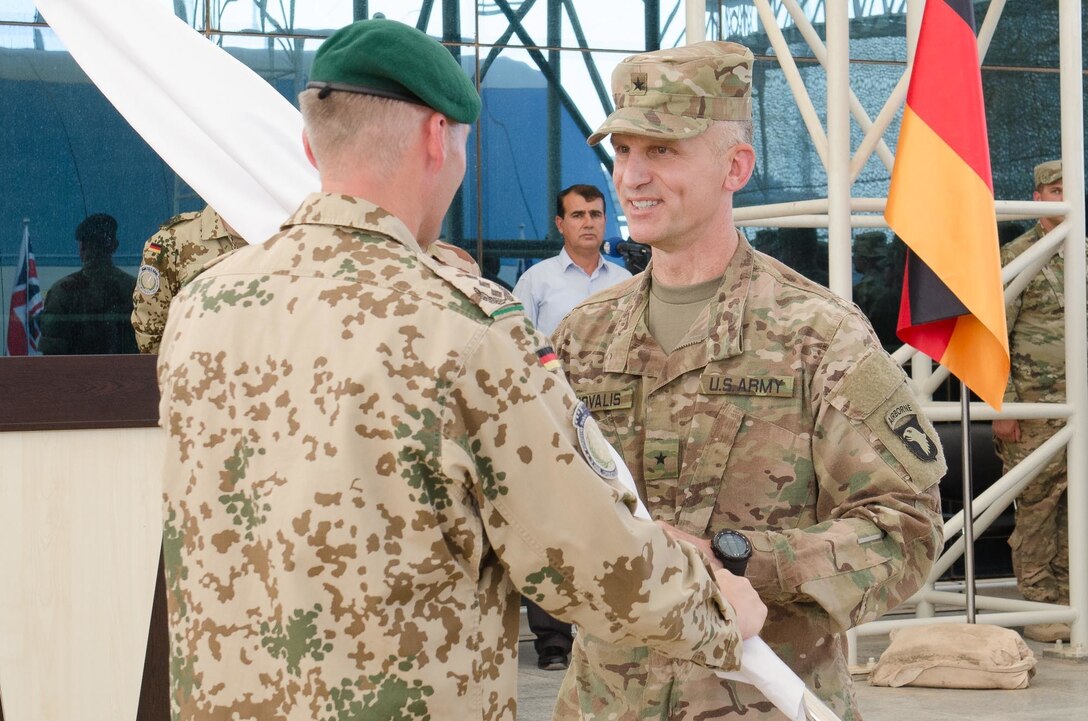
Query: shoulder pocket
x=875, y=393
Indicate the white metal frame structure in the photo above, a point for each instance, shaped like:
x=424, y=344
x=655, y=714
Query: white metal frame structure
x=840, y=212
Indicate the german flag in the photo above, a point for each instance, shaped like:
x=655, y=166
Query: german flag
x=941, y=203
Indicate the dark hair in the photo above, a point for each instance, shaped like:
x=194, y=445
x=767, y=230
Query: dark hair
x=99, y=228
x=588, y=192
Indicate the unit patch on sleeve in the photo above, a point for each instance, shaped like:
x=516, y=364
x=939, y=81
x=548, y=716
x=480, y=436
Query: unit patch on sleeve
x=594, y=446
x=148, y=280
x=903, y=420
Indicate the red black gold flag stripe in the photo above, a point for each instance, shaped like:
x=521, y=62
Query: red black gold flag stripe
x=547, y=358
x=941, y=203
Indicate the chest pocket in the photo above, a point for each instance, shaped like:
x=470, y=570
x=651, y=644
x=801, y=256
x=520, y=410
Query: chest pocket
x=701, y=475
x=754, y=470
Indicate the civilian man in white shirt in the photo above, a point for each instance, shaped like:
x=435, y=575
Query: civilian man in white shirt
x=549, y=290
x=552, y=287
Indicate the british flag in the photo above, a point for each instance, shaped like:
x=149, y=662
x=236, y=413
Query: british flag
x=24, y=318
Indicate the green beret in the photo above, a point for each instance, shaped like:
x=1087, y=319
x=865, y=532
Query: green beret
x=393, y=60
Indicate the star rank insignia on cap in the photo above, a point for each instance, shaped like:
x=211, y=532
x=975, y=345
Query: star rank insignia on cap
x=638, y=82
x=903, y=420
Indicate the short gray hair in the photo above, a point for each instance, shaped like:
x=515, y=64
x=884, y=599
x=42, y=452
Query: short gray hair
x=344, y=127
x=724, y=134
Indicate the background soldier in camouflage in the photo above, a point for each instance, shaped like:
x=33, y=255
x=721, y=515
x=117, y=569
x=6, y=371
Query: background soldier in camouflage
x=369, y=450
x=875, y=292
x=1036, y=321
x=743, y=397
x=173, y=256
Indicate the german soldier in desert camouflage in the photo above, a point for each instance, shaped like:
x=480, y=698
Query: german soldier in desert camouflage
x=371, y=453
x=173, y=255
x=753, y=407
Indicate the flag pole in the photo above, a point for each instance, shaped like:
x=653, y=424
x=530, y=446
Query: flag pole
x=968, y=496
x=26, y=268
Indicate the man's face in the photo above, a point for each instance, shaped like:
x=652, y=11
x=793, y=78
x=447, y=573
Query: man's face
x=582, y=224
x=93, y=252
x=1050, y=192
x=670, y=190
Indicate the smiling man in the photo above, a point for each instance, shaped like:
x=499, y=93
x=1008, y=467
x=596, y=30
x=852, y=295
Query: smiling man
x=757, y=411
x=552, y=287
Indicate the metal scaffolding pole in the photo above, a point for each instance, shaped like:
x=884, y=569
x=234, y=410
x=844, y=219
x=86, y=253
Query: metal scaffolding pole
x=1076, y=346
x=451, y=33
x=695, y=21
x=555, y=108
x=838, y=148
x=652, y=18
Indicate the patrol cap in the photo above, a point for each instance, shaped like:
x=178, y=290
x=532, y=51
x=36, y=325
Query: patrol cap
x=1048, y=172
x=676, y=93
x=393, y=60
x=870, y=244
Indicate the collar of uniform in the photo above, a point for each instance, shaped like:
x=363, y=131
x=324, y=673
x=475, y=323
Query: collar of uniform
x=719, y=332
x=630, y=308
x=725, y=320
x=347, y=211
x=211, y=226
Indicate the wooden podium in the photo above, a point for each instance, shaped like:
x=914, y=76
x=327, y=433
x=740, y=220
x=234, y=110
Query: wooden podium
x=82, y=604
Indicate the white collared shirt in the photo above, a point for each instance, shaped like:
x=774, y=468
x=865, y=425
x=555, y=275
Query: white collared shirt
x=552, y=287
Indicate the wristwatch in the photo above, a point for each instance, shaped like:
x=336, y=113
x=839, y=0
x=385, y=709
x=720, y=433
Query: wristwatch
x=733, y=549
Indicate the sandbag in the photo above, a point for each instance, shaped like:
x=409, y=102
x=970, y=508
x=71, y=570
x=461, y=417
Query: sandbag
x=955, y=655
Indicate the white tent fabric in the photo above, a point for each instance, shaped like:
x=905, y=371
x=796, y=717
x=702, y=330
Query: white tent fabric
x=226, y=132
x=237, y=143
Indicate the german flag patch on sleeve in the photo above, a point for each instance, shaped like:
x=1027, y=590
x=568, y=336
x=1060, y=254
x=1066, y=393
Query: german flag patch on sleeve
x=548, y=358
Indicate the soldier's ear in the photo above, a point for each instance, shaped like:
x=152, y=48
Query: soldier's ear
x=436, y=135
x=306, y=148
x=742, y=161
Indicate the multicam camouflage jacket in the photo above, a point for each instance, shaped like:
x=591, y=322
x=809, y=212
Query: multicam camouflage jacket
x=370, y=455
x=780, y=416
x=1036, y=323
x=172, y=256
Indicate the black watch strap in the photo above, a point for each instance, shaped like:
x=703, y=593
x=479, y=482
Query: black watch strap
x=736, y=561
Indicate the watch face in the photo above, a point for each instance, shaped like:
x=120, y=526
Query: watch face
x=732, y=544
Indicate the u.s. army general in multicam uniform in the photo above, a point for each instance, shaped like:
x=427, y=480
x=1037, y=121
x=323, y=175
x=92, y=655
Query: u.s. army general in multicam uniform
x=1036, y=320
x=175, y=254
x=371, y=453
x=743, y=397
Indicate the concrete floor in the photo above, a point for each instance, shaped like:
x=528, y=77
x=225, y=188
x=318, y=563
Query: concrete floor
x=1058, y=692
